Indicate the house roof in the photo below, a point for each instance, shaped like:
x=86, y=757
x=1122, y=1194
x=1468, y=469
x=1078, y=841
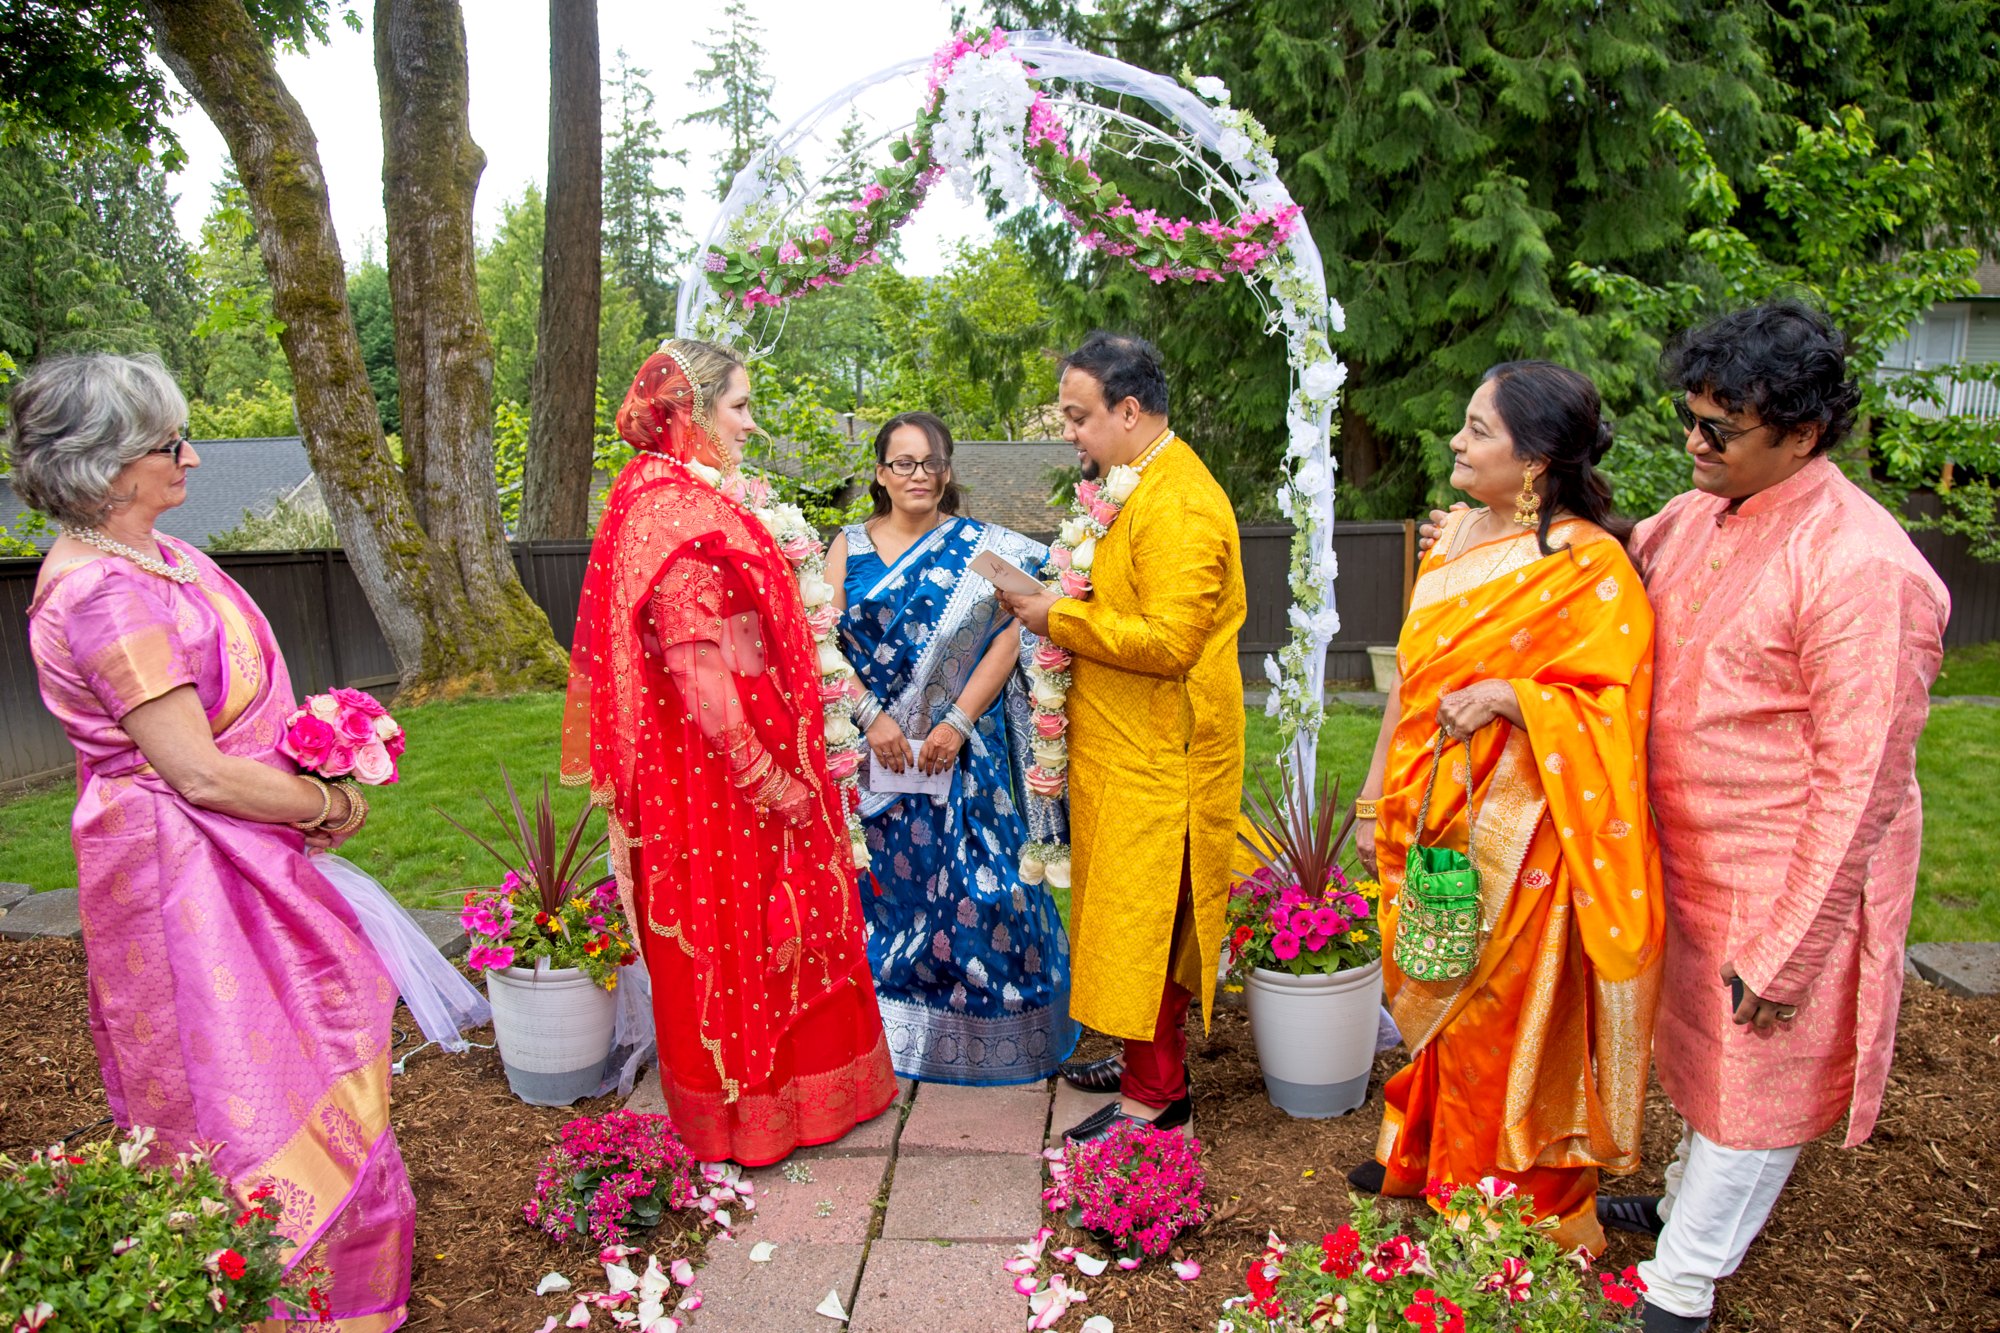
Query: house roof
x=1007, y=482
x=234, y=476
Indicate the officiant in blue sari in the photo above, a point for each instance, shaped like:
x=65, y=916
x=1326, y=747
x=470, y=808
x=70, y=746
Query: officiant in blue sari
x=971, y=961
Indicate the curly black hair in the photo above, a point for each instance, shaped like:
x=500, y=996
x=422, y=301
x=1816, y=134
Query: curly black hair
x=1782, y=358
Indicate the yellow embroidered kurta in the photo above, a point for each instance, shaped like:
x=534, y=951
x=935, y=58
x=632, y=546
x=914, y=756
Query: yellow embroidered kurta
x=1156, y=743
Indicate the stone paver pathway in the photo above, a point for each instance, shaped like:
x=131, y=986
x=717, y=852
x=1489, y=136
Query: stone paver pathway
x=906, y=1220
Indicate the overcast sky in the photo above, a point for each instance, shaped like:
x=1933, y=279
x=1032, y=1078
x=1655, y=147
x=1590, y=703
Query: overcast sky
x=813, y=50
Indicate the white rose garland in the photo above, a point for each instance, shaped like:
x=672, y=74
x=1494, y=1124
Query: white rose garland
x=1071, y=555
x=798, y=541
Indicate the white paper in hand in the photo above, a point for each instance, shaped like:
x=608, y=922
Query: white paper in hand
x=1005, y=576
x=885, y=780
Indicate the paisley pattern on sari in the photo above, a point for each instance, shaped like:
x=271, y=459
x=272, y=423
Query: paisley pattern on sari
x=1553, y=1029
x=233, y=997
x=971, y=965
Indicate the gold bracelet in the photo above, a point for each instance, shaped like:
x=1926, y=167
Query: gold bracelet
x=325, y=805
x=357, y=810
x=1364, y=809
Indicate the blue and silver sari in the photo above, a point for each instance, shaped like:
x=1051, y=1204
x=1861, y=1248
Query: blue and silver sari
x=971, y=965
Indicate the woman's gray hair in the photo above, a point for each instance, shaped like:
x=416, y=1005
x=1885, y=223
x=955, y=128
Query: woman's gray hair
x=75, y=422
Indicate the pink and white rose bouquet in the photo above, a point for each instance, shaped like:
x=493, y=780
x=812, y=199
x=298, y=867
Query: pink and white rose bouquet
x=344, y=734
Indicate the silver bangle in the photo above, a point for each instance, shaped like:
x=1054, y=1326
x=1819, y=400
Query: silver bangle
x=866, y=709
x=956, y=719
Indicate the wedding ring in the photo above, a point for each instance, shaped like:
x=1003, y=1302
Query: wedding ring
x=1787, y=1014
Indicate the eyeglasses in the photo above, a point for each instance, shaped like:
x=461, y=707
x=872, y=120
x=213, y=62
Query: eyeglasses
x=173, y=447
x=907, y=467
x=1717, y=434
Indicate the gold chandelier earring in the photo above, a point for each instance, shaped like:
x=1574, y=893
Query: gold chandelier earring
x=1528, y=504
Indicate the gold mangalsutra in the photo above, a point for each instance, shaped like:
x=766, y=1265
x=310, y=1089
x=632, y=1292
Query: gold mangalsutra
x=1528, y=504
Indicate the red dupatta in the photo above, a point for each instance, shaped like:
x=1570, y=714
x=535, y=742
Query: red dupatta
x=677, y=559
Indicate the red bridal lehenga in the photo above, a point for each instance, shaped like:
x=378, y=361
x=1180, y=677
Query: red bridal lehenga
x=694, y=714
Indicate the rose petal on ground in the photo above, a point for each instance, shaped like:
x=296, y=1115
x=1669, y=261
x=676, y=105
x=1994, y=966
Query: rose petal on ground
x=549, y=1326
x=1187, y=1270
x=551, y=1282
x=1090, y=1265
x=1097, y=1323
x=831, y=1306
x=722, y=1217
x=1020, y=1263
x=611, y=1254
x=1128, y=1263
x=1066, y=1255
x=579, y=1316
x=690, y=1302
x=1025, y=1286
x=683, y=1271
x=761, y=1252
x=1052, y=1154
x=620, y=1278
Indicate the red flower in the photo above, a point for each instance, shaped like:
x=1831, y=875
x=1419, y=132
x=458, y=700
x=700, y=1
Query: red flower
x=1434, y=1314
x=230, y=1264
x=1263, y=1280
x=1396, y=1256
x=1622, y=1292
x=1439, y=1192
x=541, y=918
x=1342, y=1252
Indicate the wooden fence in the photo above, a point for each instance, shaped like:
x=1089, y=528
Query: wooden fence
x=329, y=635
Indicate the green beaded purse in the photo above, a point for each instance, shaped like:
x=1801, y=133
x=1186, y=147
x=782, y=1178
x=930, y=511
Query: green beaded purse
x=1437, y=923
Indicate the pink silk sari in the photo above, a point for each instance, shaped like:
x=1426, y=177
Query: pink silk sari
x=233, y=998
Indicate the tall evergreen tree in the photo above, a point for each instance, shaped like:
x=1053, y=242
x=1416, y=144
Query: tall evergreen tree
x=133, y=228
x=1454, y=160
x=645, y=236
x=60, y=291
x=735, y=74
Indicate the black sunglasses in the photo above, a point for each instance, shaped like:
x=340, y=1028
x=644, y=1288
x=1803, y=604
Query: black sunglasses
x=1717, y=434
x=906, y=467
x=173, y=447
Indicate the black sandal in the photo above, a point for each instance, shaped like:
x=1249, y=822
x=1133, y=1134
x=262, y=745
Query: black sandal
x=1636, y=1213
x=1104, y=1075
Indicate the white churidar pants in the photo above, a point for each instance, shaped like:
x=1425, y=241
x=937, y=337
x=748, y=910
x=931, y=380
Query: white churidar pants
x=1717, y=1200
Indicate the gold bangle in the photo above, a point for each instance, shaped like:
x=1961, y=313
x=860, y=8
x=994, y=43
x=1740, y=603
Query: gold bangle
x=325, y=805
x=1364, y=809
x=357, y=810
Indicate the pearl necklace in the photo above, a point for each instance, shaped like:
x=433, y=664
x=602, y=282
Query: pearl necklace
x=151, y=564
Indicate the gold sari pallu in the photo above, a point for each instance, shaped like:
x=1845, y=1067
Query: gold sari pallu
x=1552, y=1028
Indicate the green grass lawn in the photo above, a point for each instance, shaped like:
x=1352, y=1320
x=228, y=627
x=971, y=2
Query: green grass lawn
x=456, y=750
x=1970, y=670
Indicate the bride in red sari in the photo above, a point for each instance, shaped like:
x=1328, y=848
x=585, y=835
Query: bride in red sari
x=694, y=715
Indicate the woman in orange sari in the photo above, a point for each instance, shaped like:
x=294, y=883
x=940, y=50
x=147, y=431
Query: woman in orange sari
x=1527, y=658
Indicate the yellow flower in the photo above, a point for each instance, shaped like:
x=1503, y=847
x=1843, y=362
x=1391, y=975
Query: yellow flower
x=1357, y=936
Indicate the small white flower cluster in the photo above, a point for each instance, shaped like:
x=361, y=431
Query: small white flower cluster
x=984, y=124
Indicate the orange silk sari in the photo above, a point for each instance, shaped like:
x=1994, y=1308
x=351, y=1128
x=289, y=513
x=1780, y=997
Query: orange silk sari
x=1534, y=1067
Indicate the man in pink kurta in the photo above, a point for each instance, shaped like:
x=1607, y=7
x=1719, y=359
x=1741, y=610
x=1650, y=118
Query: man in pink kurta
x=1798, y=632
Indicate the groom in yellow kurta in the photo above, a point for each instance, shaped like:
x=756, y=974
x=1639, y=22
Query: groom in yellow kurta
x=1155, y=727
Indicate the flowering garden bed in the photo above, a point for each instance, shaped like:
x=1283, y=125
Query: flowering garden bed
x=1901, y=1233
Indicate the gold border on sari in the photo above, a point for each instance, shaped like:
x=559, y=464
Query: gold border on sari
x=316, y=1157
x=1459, y=575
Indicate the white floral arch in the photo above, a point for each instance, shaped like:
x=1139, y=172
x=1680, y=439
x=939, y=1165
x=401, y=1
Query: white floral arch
x=1000, y=113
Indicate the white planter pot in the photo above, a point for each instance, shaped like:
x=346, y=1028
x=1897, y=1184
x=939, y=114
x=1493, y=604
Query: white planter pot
x=1315, y=1037
x=1382, y=661
x=553, y=1027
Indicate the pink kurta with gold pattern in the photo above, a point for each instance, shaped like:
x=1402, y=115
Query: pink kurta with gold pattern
x=1797, y=641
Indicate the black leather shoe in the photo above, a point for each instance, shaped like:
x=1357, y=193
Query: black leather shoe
x=1175, y=1115
x=1368, y=1178
x=1665, y=1321
x=1093, y=1124
x=1094, y=1075
x=1636, y=1213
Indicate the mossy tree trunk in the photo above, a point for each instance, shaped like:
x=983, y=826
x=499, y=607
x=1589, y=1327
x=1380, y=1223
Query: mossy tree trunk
x=455, y=617
x=555, y=495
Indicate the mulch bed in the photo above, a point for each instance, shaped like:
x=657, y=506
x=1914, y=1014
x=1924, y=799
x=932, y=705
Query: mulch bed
x=1901, y=1233
x=471, y=1147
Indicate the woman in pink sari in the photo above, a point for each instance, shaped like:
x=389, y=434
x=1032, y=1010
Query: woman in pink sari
x=233, y=998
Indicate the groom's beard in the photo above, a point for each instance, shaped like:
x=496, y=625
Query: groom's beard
x=1089, y=469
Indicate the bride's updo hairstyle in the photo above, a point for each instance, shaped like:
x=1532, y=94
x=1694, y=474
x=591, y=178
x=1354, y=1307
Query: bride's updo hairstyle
x=1555, y=417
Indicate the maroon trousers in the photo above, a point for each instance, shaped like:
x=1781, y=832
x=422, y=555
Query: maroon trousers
x=1156, y=1070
